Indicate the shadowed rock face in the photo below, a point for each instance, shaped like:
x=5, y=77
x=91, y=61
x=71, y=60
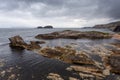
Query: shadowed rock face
x=117, y=29
x=69, y=34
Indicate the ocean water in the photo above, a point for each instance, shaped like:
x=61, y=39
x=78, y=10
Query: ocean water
x=28, y=65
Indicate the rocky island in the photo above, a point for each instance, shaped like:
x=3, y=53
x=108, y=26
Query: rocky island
x=81, y=61
x=45, y=27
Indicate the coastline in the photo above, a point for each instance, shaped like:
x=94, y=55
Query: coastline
x=56, y=52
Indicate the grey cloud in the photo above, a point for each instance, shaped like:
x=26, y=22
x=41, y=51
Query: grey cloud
x=87, y=9
x=109, y=8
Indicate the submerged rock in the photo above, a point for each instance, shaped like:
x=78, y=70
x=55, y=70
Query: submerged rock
x=69, y=34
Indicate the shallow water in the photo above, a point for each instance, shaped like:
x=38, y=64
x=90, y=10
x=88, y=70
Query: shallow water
x=31, y=66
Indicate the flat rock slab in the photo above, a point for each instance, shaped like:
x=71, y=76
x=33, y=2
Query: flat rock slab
x=69, y=34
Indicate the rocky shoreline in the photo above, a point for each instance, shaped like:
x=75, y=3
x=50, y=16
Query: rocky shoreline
x=81, y=62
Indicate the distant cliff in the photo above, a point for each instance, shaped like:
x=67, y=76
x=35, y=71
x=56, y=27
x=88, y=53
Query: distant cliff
x=114, y=26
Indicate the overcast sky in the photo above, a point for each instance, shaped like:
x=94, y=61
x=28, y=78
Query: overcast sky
x=59, y=13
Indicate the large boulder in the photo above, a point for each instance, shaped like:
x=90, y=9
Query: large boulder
x=18, y=42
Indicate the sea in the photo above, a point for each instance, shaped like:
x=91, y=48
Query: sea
x=27, y=65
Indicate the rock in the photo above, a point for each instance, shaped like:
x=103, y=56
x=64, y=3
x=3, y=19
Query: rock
x=88, y=76
x=114, y=62
x=117, y=29
x=49, y=26
x=88, y=72
x=68, y=55
x=45, y=27
x=51, y=53
x=114, y=26
x=69, y=34
x=106, y=72
x=2, y=74
x=61, y=53
x=83, y=58
x=33, y=45
x=116, y=36
x=39, y=27
x=2, y=62
x=12, y=77
x=53, y=76
x=72, y=78
x=39, y=42
x=17, y=42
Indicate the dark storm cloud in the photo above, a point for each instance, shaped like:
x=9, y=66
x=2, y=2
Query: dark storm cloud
x=66, y=8
x=110, y=8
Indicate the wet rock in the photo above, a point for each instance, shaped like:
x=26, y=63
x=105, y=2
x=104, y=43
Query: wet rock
x=106, y=71
x=88, y=76
x=83, y=58
x=2, y=74
x=72, y=78
x=88, y=72
x=53, y=76
x=114, y=62
x=18, y=42
x=68, y=55
x=33, y=45
x=12, y=77
x=69, y=34
x=2, y=62
x=61, y=53
x=10, y=69
x=116, y=36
